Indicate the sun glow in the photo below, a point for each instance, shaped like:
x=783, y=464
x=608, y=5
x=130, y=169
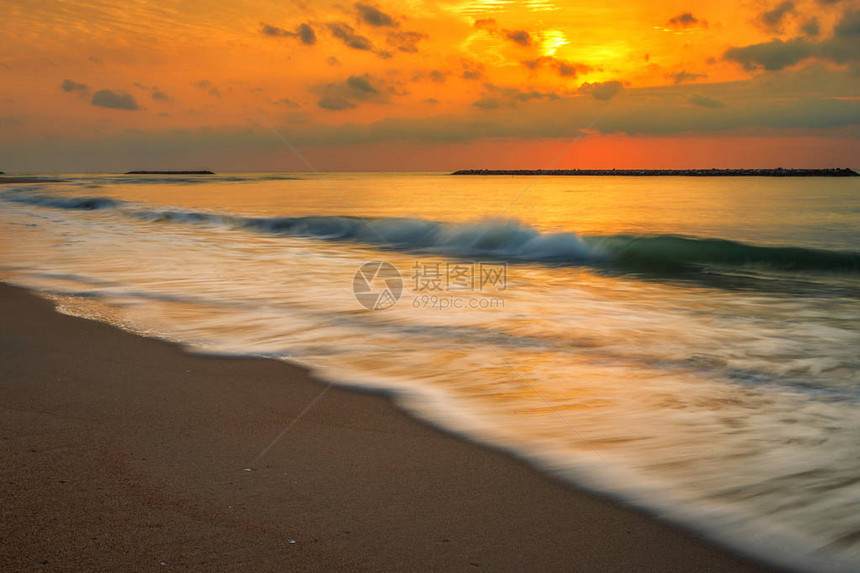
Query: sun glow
x=552, y=41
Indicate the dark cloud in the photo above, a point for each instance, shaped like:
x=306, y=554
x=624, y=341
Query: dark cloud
x=355, y=89
x=773, y=20
x=96, y=60
x=704, y=101
x=430, y=100
x=273, y=31
x=603, y=91
x=811, y=27
x=117, y=99
x=209, y=87
x=159, y=95
x=332, y=61
x=487, y=102
x=848, y=26
x=304, y=32
x=373, y=16
x=841, y=48
x=472, y=70
x=346, y=34
x=73, y=86
x=564, y=68
x=685, y=76
x=520, y=37
x=334, y=103
x=497, y=96
x=405, y=41
x=773, y=55
x=686, y=20
x=484, y=23
x=287, y=102
x=435, y=76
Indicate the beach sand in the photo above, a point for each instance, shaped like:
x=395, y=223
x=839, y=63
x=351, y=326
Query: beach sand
x=122, y=453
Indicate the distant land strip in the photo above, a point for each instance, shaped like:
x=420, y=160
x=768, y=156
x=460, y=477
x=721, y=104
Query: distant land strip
x=778, y=172
x=10, y=180
x=170, y=173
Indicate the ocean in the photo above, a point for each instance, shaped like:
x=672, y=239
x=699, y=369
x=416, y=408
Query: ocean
x=687, y=346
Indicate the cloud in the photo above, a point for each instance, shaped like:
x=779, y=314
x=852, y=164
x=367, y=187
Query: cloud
x=704, y=101
x=472, y=70
x=304, y=32
x=274, y=31
x=485, y=23
x=287, y=102
x=159, y=95
x=346, y=34
x=811, y=27
x=209, y=87
x=405, y=41
x=773, y=20
x=498, y=96
x=520, y=37
x=332, y=61
x=564, y=68
x=685, y=76
x=849, y=25
x=603, y=91
x=686, y=20
x=334, y=103
x=487, y=102
x=373, y=16
x=115, y=100
x=841, y=48
x=347, y=94
x=73, y=86
x=773, y=55
x=435, y=76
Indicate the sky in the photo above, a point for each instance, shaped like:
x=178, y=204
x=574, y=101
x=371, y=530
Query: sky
x=114, y=85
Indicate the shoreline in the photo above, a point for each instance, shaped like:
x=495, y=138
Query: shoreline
x=128, y=453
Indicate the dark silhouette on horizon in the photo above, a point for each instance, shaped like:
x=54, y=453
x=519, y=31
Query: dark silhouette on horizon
x=778, y=172
x=170, y=173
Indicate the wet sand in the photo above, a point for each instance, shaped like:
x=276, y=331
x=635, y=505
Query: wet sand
x=122, y=453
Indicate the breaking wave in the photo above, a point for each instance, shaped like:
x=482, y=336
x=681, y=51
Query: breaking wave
x=499, y=238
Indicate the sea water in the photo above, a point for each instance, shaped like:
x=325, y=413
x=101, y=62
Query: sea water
x=689, y=346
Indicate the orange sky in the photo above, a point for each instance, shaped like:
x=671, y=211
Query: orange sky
x=409, y=84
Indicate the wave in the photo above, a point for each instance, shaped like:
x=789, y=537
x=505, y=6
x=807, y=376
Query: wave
x=514, y=240
x=670, y=251
x=77, y=203
x=507, y=239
